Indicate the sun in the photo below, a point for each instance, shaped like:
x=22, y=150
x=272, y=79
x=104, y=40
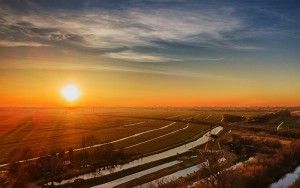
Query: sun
x=70, y=92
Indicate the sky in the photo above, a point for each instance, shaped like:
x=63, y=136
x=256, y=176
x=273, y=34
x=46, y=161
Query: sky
x=150, y=53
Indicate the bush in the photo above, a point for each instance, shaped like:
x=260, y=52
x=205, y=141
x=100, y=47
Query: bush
x=262, y=171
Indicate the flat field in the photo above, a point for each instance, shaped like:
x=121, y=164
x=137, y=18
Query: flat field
x=32, y=132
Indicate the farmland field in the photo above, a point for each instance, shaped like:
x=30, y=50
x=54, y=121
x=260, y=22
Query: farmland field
x=43, y=131
x=153, y=141
x=38, y=131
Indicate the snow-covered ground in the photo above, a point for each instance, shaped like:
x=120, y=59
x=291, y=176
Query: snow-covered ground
x=136, y=175
x=172, y=177
x=150, y=158
x=287, y=180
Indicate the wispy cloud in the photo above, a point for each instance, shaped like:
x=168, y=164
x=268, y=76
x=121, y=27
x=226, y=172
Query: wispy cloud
x=20, y=44
x=129, y=34
x=108, y=29
x=147, y=57
x=207, y=59
x=238, y=47
x=139, y=57
x=159, y=71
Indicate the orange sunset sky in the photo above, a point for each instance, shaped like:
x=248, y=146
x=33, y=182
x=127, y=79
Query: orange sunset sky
x=158, y=54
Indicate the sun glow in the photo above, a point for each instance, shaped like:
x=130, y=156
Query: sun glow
x=70, y=92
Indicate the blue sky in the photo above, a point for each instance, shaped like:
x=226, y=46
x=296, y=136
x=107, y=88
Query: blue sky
x=155, y=30
x=219, y=40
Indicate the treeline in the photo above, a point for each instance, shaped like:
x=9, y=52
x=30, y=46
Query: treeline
x=63, y=164
x=249, y=145
x=290, y=133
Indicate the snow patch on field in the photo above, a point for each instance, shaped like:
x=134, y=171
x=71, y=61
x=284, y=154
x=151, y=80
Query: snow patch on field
x=155, y=157
x=287, y=180
x=136, y=175
x=172, y=177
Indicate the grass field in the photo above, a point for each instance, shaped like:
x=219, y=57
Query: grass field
x=30, y=132
x=135, y=133
x=39, y=132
